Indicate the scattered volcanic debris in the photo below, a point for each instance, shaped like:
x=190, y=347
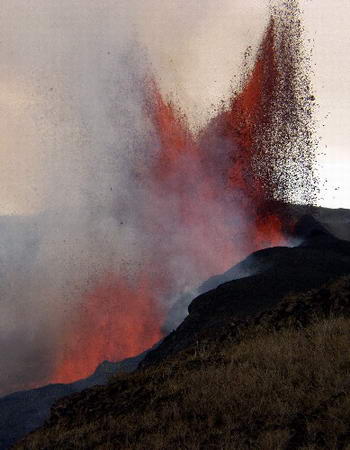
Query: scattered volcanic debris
x=269, y=125
x=206, y=201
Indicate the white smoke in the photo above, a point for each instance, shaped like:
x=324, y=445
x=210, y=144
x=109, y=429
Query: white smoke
x=78, y=114
x=72, y=124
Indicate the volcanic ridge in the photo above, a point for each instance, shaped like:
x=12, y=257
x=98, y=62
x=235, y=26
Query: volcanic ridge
x=259, y=362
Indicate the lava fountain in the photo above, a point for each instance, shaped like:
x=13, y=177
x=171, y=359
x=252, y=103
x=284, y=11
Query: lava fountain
x=206, y=200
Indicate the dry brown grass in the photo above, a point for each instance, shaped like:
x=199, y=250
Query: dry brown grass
x=279, y=390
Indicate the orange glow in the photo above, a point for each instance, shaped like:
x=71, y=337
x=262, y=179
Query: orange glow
x=212, y=211
x=248, y=116
x=207, y=184
x=116, y=320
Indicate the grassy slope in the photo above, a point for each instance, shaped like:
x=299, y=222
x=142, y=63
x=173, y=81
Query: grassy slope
x=282, y=382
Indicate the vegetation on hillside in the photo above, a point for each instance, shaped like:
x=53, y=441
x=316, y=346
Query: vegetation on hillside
x=277, y=384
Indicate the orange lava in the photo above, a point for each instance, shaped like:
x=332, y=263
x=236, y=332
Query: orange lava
x=212, y=210
x=117, y=320
x=212, y=188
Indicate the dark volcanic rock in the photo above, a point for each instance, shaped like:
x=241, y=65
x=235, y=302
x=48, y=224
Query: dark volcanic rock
x=281, y=270
x=242, y=270
x=335, y=221
x=22, y=412
x=251, y=292
x=310, y=222
x=308, y=227
x=134, y=408
x=290, y=288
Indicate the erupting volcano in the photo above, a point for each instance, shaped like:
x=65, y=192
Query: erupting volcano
x=208, y=199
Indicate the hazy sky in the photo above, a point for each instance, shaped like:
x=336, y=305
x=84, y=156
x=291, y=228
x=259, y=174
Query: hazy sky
x=195, y=48
x=327, y=23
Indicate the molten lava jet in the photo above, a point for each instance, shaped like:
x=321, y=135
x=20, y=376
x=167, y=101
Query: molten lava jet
x=208, y=200
x=117, y=320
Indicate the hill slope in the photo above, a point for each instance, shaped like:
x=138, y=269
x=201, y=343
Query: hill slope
x=274, y=384
x=24, y=411
x=279, y=270
x=260, y=362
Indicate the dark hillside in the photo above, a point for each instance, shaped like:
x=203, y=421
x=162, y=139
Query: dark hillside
x=24, y=411
x=280, y=270
x=279, y=381
x=260, y=362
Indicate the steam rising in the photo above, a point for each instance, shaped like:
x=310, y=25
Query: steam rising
x=79, y=144
x=75, y=120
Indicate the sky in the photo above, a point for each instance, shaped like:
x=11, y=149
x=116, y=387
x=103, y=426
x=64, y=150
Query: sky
x=326, y=25
x=195, y=50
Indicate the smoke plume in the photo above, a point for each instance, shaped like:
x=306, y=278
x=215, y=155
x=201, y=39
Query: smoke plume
x=129, y=207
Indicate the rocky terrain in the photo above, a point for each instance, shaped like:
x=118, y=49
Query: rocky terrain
x=260, y=362
x=279, y=270
x=25, y=411
x=332, y=221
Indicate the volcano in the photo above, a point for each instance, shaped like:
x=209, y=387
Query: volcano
x=202, y=244
x=248, y=293
x=200, y=202
x=300, y=295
